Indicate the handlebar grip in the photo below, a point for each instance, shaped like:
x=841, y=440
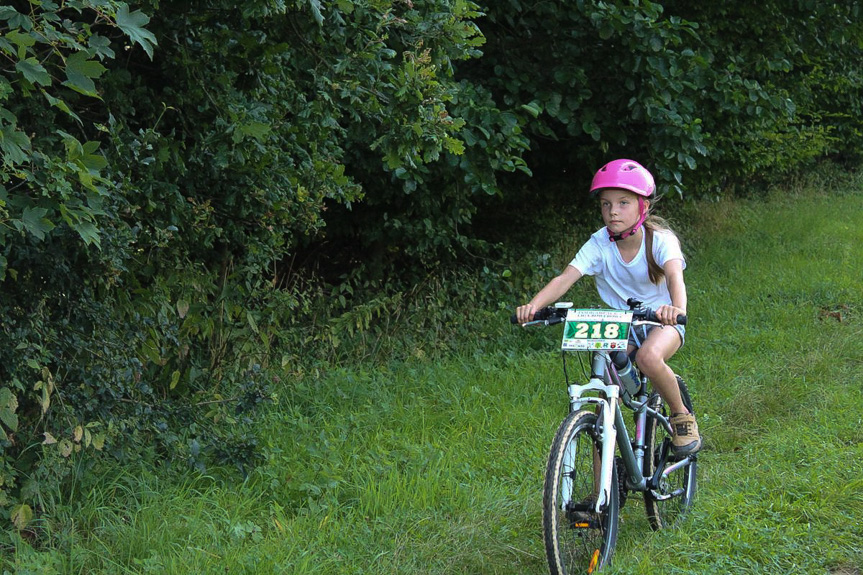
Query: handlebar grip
x=650, y=315
x=542, y=314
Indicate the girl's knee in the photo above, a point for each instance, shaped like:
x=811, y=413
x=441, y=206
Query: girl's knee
x=648, y=360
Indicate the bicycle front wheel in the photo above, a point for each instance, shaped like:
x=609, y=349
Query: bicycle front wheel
x=577, y=539
x=676, y=490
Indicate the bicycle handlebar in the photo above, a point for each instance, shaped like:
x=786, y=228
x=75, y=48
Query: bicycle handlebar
x=553, y=315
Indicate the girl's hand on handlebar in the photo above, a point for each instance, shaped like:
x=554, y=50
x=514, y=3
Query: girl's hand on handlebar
x=667, y=314
x=524, y=313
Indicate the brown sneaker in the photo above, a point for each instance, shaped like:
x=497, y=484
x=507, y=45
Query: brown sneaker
x=685, y=439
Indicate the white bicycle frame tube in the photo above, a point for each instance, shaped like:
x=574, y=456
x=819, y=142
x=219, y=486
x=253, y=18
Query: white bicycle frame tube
x=609, y=432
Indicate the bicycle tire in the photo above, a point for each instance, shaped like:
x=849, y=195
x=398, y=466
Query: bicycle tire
x=664, y=513
x=574, y=545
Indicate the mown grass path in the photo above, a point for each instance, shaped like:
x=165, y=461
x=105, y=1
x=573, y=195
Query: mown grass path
x=436, y=466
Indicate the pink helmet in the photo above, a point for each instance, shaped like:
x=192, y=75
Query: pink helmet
x=627, y=175
x=624, y=174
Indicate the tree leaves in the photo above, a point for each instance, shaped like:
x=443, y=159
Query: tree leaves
x=133, y=25
x=8, y=407
x=14, y=144
x=21, y=516
x=34, y=221
x=88, y=232
x=681, y=85
x=317, y=10
x=33, y=71
x=42, y=51
x=80, y=72
x=50, y=179
x=61, y=105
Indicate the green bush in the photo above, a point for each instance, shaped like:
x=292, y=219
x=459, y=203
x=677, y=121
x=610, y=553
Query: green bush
x=705, y=94
x=162, y=164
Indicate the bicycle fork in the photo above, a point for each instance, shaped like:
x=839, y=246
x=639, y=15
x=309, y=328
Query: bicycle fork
x=608, y=412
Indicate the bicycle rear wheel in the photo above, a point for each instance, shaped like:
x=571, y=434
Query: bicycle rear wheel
x=577, y=540
x=676, y=490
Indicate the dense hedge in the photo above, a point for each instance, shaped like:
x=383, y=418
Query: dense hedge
x=707, y=94
x=193, y=191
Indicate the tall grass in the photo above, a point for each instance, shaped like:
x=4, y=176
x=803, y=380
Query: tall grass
x=436, y=466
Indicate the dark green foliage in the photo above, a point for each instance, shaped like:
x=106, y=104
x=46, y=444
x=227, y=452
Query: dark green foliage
x=703, y=93
x=157, y=195
x=598, y=80
x=787, y=82
x=62, y=243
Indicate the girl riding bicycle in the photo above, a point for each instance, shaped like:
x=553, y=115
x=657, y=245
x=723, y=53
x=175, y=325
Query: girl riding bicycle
x=635, y=256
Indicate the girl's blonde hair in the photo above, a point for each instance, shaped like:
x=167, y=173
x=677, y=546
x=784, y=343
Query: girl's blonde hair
x=652, y=224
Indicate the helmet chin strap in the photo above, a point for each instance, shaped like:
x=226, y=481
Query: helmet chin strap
x=634, y=230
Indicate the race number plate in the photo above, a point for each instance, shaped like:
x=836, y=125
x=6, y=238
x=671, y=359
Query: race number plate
x=596, y=329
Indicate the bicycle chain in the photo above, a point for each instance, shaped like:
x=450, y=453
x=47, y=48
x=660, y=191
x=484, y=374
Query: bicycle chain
x=622, y=491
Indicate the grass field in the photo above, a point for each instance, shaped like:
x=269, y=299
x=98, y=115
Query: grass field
x=436, y=466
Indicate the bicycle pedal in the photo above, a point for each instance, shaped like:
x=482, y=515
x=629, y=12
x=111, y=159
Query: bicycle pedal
x=582, y=515
x=581, y=524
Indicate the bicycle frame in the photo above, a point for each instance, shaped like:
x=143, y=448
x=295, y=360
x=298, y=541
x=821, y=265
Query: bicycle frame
x=603, y=379
x=582, y=464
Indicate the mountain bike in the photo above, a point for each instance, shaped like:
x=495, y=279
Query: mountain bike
x=585, y=483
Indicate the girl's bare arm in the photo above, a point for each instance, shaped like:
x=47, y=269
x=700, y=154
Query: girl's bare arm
x=552, y=292
x=677, y=290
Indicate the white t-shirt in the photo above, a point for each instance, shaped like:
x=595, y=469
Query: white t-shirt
x=617, y=280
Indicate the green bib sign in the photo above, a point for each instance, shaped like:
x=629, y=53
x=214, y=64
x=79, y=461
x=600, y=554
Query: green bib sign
x=596, y=329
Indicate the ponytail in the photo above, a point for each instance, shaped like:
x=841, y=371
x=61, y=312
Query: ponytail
x=654, y=270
